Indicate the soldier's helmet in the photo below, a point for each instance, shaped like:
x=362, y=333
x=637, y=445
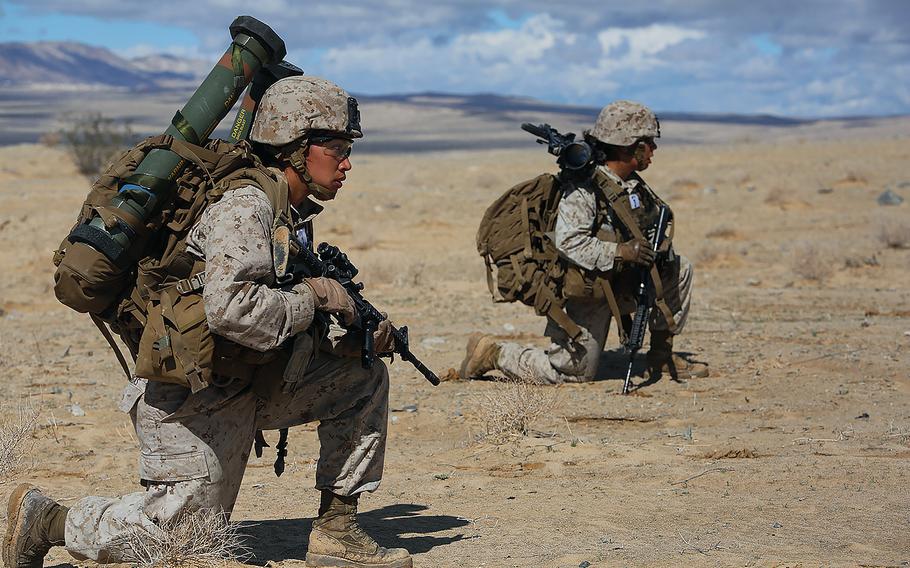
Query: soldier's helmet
x=622, y=123
x=295, y=106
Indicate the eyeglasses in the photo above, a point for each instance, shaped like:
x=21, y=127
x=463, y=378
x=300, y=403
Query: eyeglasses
x=338, y=148
x=649, y=141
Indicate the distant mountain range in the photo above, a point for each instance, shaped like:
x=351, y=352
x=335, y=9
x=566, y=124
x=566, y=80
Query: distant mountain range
x=77, y=66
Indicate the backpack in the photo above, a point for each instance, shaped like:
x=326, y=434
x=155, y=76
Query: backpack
x=515, y=241
x=155, y=303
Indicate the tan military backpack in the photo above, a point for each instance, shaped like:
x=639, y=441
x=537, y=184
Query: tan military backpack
x=516, y=243
x=155, y=305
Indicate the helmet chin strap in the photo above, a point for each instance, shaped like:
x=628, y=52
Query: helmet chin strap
x=297, y=159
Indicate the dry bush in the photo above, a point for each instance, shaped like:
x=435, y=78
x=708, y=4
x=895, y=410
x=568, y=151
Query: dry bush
x=895, y=234
x=813, y=262
x=16, y=438
x=509, y=410
x=204, y=539
x=93, y=140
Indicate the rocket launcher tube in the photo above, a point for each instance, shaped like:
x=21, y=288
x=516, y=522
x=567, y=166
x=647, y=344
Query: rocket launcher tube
x=254, y=45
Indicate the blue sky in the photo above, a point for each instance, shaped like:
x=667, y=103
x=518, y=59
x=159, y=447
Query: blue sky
x=808, y=58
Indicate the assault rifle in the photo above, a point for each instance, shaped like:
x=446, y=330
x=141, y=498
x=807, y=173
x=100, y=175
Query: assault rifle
x=330, y=262
x=643, y=300
x=572, y=154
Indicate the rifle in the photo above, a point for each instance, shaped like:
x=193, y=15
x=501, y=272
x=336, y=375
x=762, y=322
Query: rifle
x=643, y=301
x=330, y=262
x=571, y=154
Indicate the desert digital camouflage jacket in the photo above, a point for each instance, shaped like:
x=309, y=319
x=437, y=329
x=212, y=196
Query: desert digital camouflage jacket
x=234, y=237
x=576, y=237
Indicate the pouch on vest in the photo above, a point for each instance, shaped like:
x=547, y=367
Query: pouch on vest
x=176, y=344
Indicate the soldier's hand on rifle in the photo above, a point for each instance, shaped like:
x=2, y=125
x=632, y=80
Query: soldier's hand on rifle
x=383, y=342
x=330, y=296
x=636, y=251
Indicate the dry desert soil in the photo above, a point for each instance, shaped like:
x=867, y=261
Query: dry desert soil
x=794, y=452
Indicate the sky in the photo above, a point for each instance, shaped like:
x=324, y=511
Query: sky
x=800, y=58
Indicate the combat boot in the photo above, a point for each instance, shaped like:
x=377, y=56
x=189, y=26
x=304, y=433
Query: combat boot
x=35, y=524
x=338, y=541
x=481, y=356
x=661, y=359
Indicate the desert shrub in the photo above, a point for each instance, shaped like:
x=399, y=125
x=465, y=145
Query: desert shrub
x=203, y=539
x=895, y=234
x=509, y=410
x=93, y=140
x=16, y=438
x=813, y=262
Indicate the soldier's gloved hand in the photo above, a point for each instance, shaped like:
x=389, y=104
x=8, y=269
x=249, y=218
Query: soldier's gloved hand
x=637, y=252
x=382, y=337
x=330, y=296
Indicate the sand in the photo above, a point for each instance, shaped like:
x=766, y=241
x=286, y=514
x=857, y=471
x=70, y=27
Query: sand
x=794, y=451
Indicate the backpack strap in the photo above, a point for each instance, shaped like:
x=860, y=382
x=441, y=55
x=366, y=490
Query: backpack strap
x=99, y=323
x=613, y=194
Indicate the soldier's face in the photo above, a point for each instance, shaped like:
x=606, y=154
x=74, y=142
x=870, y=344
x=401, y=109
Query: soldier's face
x=328, y=163
x=644, y=152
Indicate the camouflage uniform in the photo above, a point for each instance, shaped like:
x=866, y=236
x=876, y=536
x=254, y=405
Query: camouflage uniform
x=576, y=361
x=194, y=448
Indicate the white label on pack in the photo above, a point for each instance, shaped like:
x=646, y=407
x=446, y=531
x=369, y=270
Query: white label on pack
x=634, y=200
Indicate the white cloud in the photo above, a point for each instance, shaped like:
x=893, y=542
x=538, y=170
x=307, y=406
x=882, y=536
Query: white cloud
x=642, y=45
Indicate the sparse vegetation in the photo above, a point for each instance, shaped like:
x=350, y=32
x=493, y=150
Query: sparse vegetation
x=812, y=262
x=15, y=438
x=510, y=410
x=895, y=234
x=203, y=539
x=92, y=140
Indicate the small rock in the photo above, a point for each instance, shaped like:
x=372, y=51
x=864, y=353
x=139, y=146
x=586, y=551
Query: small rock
x=2, y=312
x=76, y=410
x=406, y=408
x=888, y=197
x=442, y=476
x=903, y=185
x=584, y=564
x=776, y=525
x=825, y=190
x=508, y=327
x=863, y=416
x=907, y=333
x=751, y=188
x=709, y=190
x=753, y=282
x=393, y=420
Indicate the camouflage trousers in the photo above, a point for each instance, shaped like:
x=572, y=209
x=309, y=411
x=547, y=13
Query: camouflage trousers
x=575, y=361
x=195, y=459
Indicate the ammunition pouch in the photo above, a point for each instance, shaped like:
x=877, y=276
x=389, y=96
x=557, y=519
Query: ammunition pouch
x=87, y=280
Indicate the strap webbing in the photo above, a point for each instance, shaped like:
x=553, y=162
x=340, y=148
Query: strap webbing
x=99, y=323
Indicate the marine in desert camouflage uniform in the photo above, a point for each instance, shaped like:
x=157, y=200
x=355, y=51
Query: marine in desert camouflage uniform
x=625, y=134
x=195, y=447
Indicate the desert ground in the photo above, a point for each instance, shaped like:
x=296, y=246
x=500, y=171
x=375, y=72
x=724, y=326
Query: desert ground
x=794, y=452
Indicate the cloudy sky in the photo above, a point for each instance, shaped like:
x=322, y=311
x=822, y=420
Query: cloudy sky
x=789, y=57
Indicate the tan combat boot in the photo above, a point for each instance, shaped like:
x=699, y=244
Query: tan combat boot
x=480, y=357
x=337, y=541
x=661, y=359
x=35, y=524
